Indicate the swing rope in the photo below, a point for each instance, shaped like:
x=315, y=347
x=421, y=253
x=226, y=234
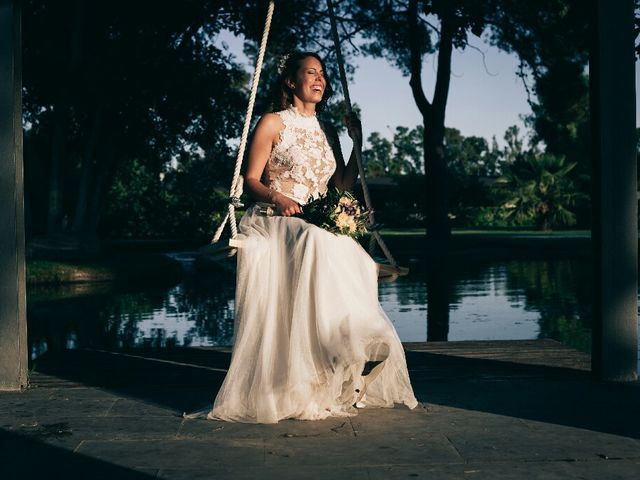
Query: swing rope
x=236, y=184
x=375, y=235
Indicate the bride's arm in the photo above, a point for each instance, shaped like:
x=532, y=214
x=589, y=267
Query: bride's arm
x=264, y=137
x=345, y=176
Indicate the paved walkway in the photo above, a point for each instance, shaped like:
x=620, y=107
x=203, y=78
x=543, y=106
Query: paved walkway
x=489, y=410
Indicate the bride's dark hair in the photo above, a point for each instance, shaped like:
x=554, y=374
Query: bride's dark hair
x=282, y=94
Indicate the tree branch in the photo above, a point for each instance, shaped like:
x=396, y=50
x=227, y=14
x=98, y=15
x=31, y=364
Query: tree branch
x=430, y=25
x=484, y=58
x=523, y=76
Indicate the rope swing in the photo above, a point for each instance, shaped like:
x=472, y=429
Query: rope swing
x=391, y=270
x=236, y=183
x=386, y=272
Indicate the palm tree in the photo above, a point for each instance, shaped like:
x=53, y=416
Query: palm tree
x=537, y=186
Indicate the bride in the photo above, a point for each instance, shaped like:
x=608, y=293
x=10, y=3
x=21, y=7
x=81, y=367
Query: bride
x=311, y=340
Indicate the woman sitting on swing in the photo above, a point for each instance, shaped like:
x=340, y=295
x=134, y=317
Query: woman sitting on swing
x=311, y=339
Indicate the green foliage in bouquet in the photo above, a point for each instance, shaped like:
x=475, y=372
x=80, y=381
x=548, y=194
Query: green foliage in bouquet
x=338, y=211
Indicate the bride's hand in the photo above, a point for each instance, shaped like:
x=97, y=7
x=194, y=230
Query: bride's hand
x=354, y=126
x=285, y=206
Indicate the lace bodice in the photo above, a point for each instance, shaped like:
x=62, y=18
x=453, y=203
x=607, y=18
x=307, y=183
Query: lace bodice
x=302, y=161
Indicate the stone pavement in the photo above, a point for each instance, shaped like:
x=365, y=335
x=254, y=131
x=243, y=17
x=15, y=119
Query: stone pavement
x=96, y=415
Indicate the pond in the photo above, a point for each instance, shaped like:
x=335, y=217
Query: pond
x=464, y=299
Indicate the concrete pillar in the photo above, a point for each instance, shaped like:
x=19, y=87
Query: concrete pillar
x=13, y=322
x=615, y=207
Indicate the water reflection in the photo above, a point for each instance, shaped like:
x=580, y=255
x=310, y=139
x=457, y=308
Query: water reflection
x=493, y=300
x=448, y=300
x=196, y=312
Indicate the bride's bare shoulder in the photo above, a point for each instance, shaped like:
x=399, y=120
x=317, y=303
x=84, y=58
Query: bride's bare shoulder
x=270, y=125
x=270, y=121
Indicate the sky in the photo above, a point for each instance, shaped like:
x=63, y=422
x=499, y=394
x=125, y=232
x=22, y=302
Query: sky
x=483, y=101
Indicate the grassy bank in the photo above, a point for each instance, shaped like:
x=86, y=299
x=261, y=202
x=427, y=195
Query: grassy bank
x=461, y=233
x=123, y=268
x=516, y=243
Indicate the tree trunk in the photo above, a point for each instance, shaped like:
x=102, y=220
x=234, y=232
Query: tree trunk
x=88, y=179
x=104, y=175
x=545, y=225
x=36, y=183
x=436, y=188
x=55, y=209
x=433, y=115
x=62, y=114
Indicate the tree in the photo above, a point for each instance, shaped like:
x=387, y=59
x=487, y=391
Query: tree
x=514, y=144
x=552, y=42
x=550, y=38
x=538, y=186
x=407, y=143
x=109, y=82
x=470, y=160
x=637, y=26
x=377, y=157
x=404, y=32
x=401, y=156
x=470, y=156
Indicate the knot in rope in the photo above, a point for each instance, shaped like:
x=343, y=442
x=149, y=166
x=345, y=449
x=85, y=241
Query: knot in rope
x=235, y=201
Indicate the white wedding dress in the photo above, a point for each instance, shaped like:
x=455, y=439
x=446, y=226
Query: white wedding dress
x=307, y=310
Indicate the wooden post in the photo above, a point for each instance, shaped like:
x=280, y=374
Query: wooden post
x=13, y=322
x=615, y=204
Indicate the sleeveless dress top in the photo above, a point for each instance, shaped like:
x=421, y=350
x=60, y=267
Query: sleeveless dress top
x=307, y=316
x=302, y=161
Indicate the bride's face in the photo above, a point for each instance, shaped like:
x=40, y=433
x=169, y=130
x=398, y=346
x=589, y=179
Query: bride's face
x=310, y=84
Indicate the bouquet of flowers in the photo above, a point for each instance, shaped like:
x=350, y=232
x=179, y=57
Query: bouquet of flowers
x=337, y=211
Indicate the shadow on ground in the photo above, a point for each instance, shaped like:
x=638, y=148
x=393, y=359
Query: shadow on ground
x=25, y=457
x=555, y=395
x=188, y=379
x=182, y=379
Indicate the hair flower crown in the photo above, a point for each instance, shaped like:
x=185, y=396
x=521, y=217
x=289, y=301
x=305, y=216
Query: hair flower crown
x=283, y=62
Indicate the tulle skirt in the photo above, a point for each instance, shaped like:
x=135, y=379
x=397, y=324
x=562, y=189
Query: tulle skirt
x=307, y=319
